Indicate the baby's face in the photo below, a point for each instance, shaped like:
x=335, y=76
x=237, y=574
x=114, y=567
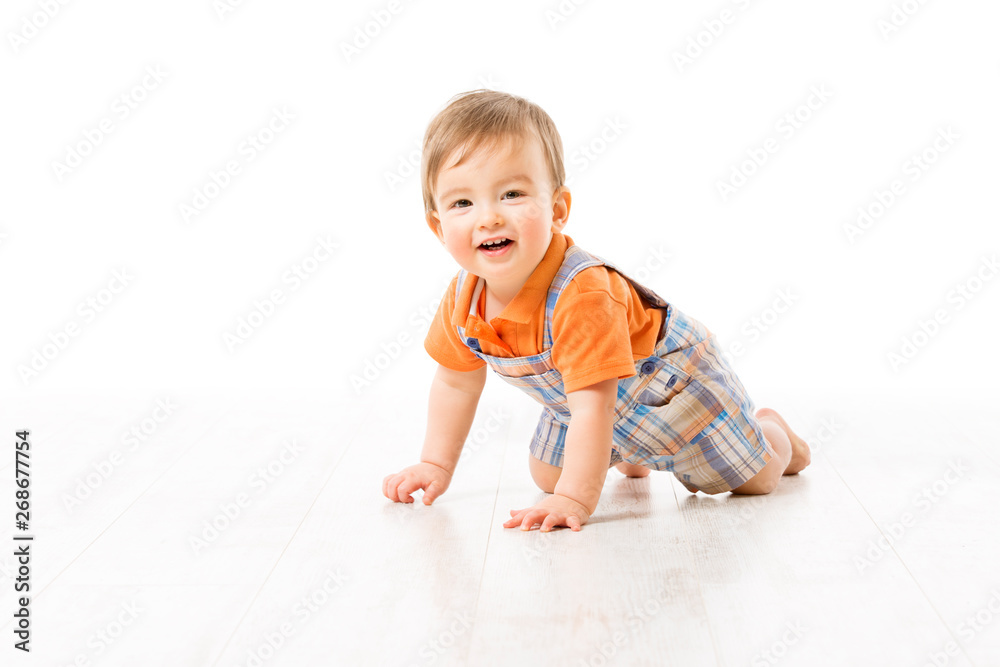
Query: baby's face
x=506, y=197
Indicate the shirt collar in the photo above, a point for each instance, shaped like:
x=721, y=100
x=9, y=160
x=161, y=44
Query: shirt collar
x=532, y=294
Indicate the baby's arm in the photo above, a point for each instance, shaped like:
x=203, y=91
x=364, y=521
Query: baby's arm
x=585, y=462
x=454, y=396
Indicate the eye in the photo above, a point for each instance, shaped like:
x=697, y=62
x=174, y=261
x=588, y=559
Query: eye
x=461, y=203
x=512, y=192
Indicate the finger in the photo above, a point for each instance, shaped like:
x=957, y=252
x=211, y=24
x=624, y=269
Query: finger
x=551, y=521
x=385, y=485
x=405, y=488
x=520, y=515
x=432, y=491
x=533, y=517
x=516, y=516
x=531, y=521
x=390, y=487
x=573, y=521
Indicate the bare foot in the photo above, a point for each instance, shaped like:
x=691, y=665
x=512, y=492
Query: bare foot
x=801, y=456
x=632, y=470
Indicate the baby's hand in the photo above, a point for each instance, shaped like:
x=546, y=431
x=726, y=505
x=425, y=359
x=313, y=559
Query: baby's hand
x=433, y=479
x=555, y=510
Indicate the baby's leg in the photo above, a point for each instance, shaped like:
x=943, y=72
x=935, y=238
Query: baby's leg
x=632, y=470
x=789, y=454
x=801, y=454
x=545, y=474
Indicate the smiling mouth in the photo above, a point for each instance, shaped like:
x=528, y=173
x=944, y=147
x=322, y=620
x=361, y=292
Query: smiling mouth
x=496, y=246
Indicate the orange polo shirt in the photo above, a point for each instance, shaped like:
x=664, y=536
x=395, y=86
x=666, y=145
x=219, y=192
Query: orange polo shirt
x=600, y=324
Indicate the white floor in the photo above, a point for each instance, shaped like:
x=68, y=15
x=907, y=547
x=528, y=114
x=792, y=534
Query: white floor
x=314, y=561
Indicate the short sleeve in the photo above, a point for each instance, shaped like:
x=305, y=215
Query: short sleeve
x=591, y=340
x=442, y=342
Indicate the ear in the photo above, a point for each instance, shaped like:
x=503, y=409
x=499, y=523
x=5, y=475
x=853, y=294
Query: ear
x=434, y=222
x=561, y=202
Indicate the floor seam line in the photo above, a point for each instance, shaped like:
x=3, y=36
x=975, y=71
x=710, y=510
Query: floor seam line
x=892, y=547
x=291, y=538
x=698, y=578
x=489, y=538
x=136, y=499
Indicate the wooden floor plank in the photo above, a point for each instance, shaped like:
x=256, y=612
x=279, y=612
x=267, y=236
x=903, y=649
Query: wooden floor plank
x=405, y=577
x=148, y=546
x=779, y=576
x=85, y=477
x=928, y=485
x=322, y=568
x=621, y=591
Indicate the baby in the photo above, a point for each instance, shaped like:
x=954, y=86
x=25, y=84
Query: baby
x=625, y=378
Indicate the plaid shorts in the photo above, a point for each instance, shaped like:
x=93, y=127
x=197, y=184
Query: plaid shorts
x=690, y=415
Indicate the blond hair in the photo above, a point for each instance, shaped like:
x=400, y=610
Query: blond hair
x=486, y=118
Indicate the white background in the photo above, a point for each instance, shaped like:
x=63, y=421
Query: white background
x=358, y=118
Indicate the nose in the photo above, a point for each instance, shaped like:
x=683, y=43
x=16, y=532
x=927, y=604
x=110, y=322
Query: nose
x=489, y=216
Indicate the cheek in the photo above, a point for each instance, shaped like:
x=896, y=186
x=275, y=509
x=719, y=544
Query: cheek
x=533, y=224
x=455, y=241
x=530, y=211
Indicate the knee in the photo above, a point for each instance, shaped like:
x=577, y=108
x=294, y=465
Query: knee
x=632, y=470
x=545, y=475
x=760, y=484
x=767, y=479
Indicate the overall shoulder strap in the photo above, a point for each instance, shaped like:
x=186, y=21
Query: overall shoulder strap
x=576, y=259
x=462, y=276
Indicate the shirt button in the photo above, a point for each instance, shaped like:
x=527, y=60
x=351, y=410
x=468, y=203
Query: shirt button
x=672, y=381
x=648, y=367
x=473, y=343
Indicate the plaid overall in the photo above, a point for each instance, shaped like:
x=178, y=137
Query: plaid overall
x=684, y=410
